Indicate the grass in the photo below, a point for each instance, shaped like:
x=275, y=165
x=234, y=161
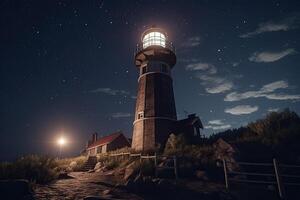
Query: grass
x=37, y=169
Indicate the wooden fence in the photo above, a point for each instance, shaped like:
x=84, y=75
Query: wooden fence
x=153, y=157
x=273, y=177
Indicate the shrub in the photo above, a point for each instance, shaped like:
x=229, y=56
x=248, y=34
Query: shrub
x=64, y=164
x=112, y=164
x=39, y=169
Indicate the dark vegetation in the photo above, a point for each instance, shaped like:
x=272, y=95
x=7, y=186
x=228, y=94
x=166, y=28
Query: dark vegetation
x=36, y=169
x=275, y=136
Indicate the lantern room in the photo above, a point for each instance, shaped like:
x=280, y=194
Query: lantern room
x=154, y=37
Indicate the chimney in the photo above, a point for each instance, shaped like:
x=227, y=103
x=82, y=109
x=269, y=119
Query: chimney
x=87, y=144
x=192, y=115
x=94, y=137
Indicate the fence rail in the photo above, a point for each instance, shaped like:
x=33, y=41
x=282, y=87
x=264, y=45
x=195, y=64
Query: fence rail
x=276, y=175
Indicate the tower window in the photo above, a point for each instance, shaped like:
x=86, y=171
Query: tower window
x=144, y=70
x=140, y=115
x=164, y=68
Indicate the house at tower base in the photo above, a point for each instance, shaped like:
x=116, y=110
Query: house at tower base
x=189, y=127
x=106, y=144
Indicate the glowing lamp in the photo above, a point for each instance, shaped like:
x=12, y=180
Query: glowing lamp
x=154, y=38
x=61, y=141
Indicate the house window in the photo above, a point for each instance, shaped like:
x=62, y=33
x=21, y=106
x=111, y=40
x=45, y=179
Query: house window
x=140, y=115
x=99, y=149
x=195, y=131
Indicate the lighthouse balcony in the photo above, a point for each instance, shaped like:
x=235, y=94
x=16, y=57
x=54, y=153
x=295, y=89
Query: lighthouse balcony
x=154, y=44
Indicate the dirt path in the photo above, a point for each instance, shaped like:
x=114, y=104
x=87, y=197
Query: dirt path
x=82, y=184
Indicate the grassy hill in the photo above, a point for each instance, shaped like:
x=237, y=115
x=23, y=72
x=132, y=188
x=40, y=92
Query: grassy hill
x=277, y=135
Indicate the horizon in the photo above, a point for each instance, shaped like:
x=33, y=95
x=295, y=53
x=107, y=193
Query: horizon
x=67, y=67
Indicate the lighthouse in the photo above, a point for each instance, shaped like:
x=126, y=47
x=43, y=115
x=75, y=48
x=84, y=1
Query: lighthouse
x=155, y=111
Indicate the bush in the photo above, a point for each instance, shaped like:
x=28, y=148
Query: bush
x=39, y=169
x=64, y=164
x=112, y=164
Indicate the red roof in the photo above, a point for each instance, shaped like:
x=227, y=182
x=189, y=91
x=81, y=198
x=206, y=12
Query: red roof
x=105, y=139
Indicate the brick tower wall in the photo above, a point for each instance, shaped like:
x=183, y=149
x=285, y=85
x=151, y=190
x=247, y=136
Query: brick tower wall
x=155, y=100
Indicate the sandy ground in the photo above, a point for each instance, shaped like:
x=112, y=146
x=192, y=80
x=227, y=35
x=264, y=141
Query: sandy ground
x=82, y=184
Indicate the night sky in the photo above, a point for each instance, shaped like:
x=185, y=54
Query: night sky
x=67, y=66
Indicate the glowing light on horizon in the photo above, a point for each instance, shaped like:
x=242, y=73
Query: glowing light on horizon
x=61, y=141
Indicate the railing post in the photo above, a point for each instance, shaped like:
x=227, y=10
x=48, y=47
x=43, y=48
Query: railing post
x=278, y=179
x=175, y=167
x=155, y=164
x=225, y=173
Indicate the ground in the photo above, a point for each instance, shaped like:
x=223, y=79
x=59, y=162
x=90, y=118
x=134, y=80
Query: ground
x=82, y=184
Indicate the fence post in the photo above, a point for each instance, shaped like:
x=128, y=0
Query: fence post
x=175, y=167
x=141, y=164
x=278, y=179
x=225, y=173
x=155, y=164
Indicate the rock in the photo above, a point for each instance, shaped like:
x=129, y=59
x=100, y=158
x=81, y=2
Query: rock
x=98, y=166
x=64, y=175
x=98, y=170
x=106, y=192
x=95, y=198
x=120, y=172
x=103, y=169
x=200, y=174
x=15, y=189
x=73, y=164
x=226, y=151
x=167, y=163
x=109, y=173
x=91, y=171
x=138, y=180
x=155, y=180
x=130, y=171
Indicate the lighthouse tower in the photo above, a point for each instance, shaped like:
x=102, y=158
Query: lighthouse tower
x=155, y=112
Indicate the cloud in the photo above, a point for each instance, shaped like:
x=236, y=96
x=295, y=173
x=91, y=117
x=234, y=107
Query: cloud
x=270, y=56
x=227, y=126
x=283, y=96
x=214, y=84
x=217, y=125
x=216, y=122
x=207, y=73
x=273, y=109
x=110, y=91
x=235, y=64
x=209, y=68
x=192, y=42
x=266, y=91
x=241, y=110
x=121, y=115
x=283, y=25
